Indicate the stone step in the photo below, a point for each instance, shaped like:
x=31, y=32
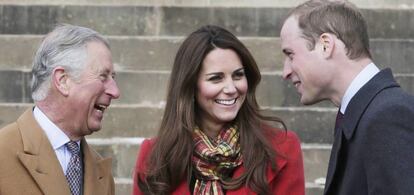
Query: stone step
x=370, y=4
x=180, y=21
x=157, y=53
x=124, y=152
x=149, y=88
x=313, y=125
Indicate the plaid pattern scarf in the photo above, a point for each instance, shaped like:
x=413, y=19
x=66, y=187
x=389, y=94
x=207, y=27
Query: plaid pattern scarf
x=214, y=160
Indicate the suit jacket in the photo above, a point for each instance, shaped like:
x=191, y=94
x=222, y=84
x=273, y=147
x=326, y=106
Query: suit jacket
x=373, y=150
x=29, y=164
x=288, y=179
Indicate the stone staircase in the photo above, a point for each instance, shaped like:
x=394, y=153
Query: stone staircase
x=144, y=36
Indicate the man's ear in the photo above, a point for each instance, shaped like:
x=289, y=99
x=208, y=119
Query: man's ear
x=60, y=80
x=327, y=42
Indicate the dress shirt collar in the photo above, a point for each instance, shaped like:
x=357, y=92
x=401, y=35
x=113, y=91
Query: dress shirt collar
x=360, y=80
x=55, y=135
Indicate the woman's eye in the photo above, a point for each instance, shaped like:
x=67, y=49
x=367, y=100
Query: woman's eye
x=239, y=75
x=214, y=78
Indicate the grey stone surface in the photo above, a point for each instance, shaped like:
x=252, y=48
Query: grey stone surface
x=312, y=125
x=157, y=53
x=123, y=189
x=407, y=83
x=15, y=87
x=396, y=54
x=145, y=53
x=11, y=86
x=315, y=161
x=123, y=158
x=17, y=52
x=119, y=20
x=10, y=112
x=149, y=89
x=179, y=21
x=372, y=4
x=314, y=191
x=130, y=122
x=143, y=88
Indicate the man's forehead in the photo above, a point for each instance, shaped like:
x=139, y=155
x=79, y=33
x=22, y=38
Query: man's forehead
x=290, y=26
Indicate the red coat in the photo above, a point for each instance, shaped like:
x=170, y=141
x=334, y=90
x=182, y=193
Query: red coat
x=288, y=179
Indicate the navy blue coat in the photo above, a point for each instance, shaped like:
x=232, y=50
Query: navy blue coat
x=373, y=150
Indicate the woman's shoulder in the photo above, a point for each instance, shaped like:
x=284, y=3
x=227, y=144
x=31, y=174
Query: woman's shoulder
x=283, y=140
x=146, y=145
x=280, y=135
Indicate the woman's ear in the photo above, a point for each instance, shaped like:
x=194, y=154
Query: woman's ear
x=60, y=80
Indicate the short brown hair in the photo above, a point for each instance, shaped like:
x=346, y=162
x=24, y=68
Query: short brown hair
x=340, y=18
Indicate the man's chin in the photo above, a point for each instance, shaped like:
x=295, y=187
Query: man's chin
x=307, y=101
x=92, y=129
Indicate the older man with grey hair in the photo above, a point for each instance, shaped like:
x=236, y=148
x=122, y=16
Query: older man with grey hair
x=44, y=151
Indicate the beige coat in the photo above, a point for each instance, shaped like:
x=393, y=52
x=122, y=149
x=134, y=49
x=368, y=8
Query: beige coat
x=28, y=163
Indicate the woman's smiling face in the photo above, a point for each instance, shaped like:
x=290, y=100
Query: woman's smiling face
x=221, y=87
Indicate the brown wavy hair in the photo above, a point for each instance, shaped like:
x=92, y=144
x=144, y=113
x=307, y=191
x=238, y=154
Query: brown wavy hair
x=169, y=162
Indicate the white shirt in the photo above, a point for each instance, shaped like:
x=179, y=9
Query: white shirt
x=360, y=80
x=56, y=136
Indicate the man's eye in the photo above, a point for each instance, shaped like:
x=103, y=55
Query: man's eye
x=103, y=76
x=289, y=55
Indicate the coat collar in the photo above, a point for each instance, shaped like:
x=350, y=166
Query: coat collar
x=363, y=98
x=40, y=160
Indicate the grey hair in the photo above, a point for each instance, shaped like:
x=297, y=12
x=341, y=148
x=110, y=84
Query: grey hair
x=65, y=46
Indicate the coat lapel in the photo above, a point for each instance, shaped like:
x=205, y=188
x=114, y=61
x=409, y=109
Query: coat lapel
x=97, y=171
x=363, y=98
x=39, y=157
x=334, y=158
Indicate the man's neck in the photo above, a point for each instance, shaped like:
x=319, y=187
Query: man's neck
x=347, y=73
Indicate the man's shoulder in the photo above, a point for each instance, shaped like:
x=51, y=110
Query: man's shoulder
x=9, y=134
x=394, y=97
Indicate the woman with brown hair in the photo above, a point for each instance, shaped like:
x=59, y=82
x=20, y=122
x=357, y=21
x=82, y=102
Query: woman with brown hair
x=213, y=139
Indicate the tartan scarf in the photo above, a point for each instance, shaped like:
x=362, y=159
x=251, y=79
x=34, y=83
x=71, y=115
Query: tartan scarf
x=214, y=160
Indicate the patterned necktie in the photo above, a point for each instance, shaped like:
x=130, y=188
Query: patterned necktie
x=74, y=171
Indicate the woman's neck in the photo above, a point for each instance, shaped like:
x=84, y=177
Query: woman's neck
x=212, y=130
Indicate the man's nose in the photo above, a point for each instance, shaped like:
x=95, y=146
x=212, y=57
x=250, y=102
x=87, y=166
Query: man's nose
x=113, y=90
x=287, y=71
